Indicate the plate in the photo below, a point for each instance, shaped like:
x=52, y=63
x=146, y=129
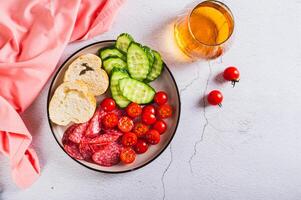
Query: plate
x=165, y=82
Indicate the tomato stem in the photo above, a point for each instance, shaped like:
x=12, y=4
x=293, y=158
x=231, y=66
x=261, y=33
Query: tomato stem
x=220, y=105
x=233, y=82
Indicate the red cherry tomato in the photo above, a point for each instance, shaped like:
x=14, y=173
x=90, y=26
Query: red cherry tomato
x=108, y=104
x=140, y=129
x=149, y=108
x=160, y=98
x=215, y=97
x=231, y=74
x=110, y=120
x=125, y=124
x=152, y=136
x=160, y=126
x=141, y=146
x=148, y=118
x=127, y=155
x=129, y=139
x=133, y=110
x=164, y=111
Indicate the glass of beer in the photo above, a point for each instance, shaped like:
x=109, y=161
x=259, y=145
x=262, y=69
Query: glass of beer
x=205, y=32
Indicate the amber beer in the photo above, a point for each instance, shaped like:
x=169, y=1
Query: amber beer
x=205, y=31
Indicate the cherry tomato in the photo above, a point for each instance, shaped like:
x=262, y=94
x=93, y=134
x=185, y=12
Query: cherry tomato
x=164, y=111
x=160, y=126
x=110, y=120
x=148, y=118
x=152, y=136
x=133, y=110
x=125, y=124
x=231, y=74
x=160, y=98
x=140, y=129
x=215, y=97
x=127, y=155
x=108, y=104
x=141, y=146
x=149, y=108
x=129, y=139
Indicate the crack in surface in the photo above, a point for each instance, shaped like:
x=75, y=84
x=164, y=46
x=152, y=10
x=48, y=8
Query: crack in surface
x=206, y=120
x=191, y=82
x=165, y=171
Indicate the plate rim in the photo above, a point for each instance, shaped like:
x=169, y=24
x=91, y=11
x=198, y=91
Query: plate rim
x=91, y=168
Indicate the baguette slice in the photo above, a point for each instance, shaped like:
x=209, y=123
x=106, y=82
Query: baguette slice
x=72, y=102
x=87, y=68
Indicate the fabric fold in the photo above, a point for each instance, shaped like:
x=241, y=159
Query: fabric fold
x=33, y=36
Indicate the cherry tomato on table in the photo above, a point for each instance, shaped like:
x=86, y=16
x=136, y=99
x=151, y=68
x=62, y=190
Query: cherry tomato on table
x=148, y=118
x=160, y=126
x=164, y=111
x=110, y=120
x=108, y=104
x=127, y=155
x=133, y=110
x=231, y=74
x=140, y=129
x=141, y=146
x=215, y=97
x=152, y=136
x=160, y=98
x=149, y=108
x=125, y=124
x=129, y=139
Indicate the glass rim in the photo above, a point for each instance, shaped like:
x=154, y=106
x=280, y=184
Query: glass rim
x=217, y=2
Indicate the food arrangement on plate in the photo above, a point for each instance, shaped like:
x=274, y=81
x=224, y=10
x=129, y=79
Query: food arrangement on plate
x=122, y=125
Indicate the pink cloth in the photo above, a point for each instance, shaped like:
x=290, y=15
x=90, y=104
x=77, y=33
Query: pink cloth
x=33, y=35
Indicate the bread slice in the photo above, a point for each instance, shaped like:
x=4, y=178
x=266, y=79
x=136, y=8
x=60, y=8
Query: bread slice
x=72, y=102
x=87, y=68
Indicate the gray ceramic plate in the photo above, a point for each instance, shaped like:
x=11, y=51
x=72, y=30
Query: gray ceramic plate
x=165, y=82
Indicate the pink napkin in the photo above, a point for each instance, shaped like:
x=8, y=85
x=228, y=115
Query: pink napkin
x=33, y=35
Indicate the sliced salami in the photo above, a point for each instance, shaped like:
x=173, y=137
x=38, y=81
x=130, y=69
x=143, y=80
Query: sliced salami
x=73, y=150
x=94, y=126
x=107, y=156
x=68, y=131
x=77, y=134
x=105, y=139
x=85, y=150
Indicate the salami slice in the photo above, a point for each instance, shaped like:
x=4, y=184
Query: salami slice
x=105, y=139
x=85, y=150
x=68, y=131
x=107, y=156
x=73, y=150
x=94, y=126
x=77, y=134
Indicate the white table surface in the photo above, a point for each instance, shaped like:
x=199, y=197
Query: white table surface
x=248, y=149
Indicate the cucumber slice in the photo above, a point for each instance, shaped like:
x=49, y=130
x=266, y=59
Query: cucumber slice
x=137, y=60
x=136, y=91
x=111, y=52
x=118, y=74
x=150, y=55
x=111, y=62
x=123, y=42
x=156, y=70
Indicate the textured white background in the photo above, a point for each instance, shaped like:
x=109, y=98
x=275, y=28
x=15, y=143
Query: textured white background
x=249, y=149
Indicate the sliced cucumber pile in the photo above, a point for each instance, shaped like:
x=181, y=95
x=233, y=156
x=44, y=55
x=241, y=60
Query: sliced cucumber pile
x=118, y=74
x=137, y=60
x=156, y=69
x=113, y=62
x=123, y=42
x=131, y=67
x=111, y=52
x=136, y=91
